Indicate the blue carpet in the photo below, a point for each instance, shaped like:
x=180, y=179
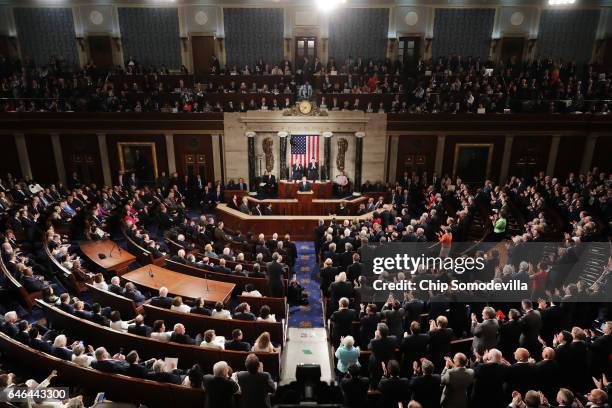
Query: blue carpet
x=306, y=269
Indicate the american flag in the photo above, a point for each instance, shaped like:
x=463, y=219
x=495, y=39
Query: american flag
x=304, y=148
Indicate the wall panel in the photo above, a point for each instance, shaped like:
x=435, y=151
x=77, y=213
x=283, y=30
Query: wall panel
x=151, y=35
x=570, y=155
x=358, y=32
x=44, y=33
x=82, y=154
x=567, y=34
x=416, y=153
x=253, y=33
x=194, y=145
x=529, y=155
x=10, y=159
x=465, y=32
x=42, y=162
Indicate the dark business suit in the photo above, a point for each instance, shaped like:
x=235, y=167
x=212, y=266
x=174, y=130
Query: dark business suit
x=255, y=389
x=275, y=279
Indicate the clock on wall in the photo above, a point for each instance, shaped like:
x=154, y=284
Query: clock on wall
x=305, y=107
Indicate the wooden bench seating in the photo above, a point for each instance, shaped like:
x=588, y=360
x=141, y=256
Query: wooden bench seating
x=116, y=387
x=76, y=285
x=125, y=306
x=278, y=306
x=195, y=323
x=188, y=355
x=28, y=299
x=143, y=256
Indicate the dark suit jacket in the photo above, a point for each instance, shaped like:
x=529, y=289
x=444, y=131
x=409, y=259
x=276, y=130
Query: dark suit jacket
x=142, y=330
x=394, y=390
x=355, y=391
x=245, y=316
x=219, y=391
x=31, y=284
x=383, y=349
x=181, y=338
x=342, y=324
x=413, y=348
x=110, y=366
x=137, y=371
x=255, y=389
x=304, y=186
x=426, y=390
x=165, y=302
x=520, y=377
x=275, y=278
x=488, y=385
x=237, y=345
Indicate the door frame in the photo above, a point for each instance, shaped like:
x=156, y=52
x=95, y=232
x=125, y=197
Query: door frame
x=405, y=34
x=189, y=51
x=316, y=47
x=112, y=45
x=503, y=36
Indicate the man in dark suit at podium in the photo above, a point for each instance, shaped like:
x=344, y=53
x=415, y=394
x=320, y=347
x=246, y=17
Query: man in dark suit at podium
x=304, y=185
x=313, y=170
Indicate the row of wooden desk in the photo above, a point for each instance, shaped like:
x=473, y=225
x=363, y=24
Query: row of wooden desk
x=154, y=277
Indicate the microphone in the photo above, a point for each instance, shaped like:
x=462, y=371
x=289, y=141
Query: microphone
x=206, y=281
x=151, y=274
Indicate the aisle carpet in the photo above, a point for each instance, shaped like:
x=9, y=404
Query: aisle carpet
x=306, y=269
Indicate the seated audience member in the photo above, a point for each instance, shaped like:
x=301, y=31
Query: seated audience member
x=162, y=300
x=159, y=331
x=179, y=306
x=139, y=328
x=243, y=312
x=210, y=340
x=249, y=290
x=220, y=387
x=200, y=308
x=265, y=315
x=236, y=343
x=220, y=313
x=179, y=336
x=263, y=344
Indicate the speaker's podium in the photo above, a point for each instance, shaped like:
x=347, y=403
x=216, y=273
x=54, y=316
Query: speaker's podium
x=305, y=201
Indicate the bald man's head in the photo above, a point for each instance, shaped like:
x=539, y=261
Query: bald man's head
x=548, y=353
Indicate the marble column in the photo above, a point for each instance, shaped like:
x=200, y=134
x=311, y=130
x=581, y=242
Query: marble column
x=106, y=172
x=393, y=152
x=439, y=155
x=327, y=153
x=251, y=152
x=170, y=153
x=358, y=160
x=282, y=154
x=587, y=155
x=505, y=166
x=216, y=149
x=58, y=157
x=22, y=154
x=552, y=155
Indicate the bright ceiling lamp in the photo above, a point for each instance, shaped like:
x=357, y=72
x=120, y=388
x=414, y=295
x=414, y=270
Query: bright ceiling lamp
x=328, y=5
x=560, y=2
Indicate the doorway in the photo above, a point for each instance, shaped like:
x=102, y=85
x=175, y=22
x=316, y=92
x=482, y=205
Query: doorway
x=203, y=49
x=101, y=51
x=409, y=52
x=305, y=47
x=512, y=50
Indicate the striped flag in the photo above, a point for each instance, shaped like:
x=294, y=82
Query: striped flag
x=304, y=148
